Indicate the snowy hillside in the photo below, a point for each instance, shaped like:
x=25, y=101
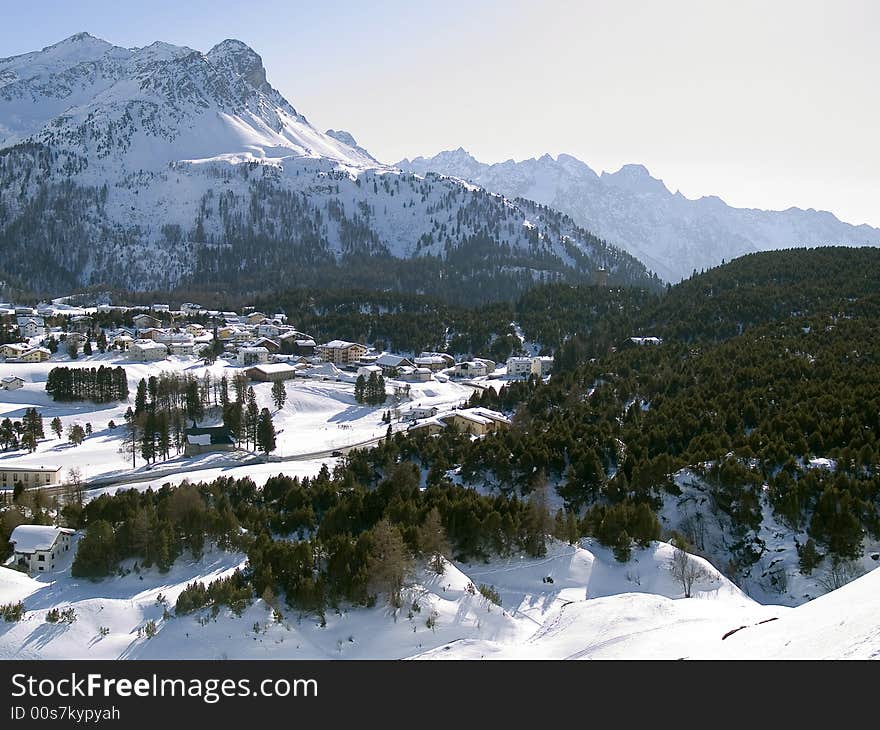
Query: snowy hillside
x=575, y=603
x=671, y=234
x=160, y=166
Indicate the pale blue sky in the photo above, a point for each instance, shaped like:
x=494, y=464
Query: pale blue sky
x=765, y=104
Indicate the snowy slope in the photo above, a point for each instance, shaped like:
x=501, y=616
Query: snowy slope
x=671, y=234
x=145, y=107
x=594, y=608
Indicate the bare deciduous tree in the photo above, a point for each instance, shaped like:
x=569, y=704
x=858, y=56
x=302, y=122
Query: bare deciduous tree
x=686, y=571
x=433, y=542
x=839, y=573
x=389, y=561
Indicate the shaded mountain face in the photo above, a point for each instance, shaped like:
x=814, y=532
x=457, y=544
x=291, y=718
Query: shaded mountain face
x=164, y=167
x=671, y=234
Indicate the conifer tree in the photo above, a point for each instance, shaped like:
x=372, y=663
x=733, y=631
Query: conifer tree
x=279, y=394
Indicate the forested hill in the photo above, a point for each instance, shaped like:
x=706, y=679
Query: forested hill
x=757, y=417
x=763, y=287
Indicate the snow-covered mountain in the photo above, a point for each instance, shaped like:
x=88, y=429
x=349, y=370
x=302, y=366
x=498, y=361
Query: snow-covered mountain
x=671, y=234
x=162, y=166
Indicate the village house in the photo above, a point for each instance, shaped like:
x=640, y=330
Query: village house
x=434, y=363
x=13, y=349
x=303, y=346
x=414, y=375
x=253, y=355
x=37, y=354
x=25, y=312
x=182, y=348
x=341, y=353
x=390, y=363
x=144, y=321
x=30, y=476
x=31, y=326
x=255, y=317
x=190, y=308
x=519, y=367
x=75, y=339
x=160, y=307
x=272, y=372
x=82, y=323
x=417, y=412
x=469, y=369
x=268, y=329
x=147, y=351
x=368, y=370
x=123, y=342
x=542, y=365
x=11, y=382
x=477, y=421
x=642, y=342
x=429, y=356
x=36, y=547
x=271, y=345
x=205, y=440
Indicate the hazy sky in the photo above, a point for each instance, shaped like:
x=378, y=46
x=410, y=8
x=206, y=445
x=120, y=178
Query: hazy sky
x=767, y=104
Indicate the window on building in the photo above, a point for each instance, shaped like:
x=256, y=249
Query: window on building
x=41, y=558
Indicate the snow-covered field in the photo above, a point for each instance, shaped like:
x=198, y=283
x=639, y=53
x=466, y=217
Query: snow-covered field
x=594, y=608
x=317, y=418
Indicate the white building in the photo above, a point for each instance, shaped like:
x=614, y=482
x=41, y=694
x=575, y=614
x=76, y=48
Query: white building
x=147, y=351
x=541, y=366
x=367, y=370
x=183, y=347
x=519, y=367
x=31, y=326
x=11, y=382
x=36, y=547
x=30, y=476
x=470, y=369
x=253, y=356
x=414, y=375
x=417, y=412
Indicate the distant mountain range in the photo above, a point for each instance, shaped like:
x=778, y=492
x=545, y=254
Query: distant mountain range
x=671, y=234
x=164, y=167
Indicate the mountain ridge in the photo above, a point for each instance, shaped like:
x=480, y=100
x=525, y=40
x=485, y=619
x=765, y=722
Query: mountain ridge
x=670, y=233
x=161, y=166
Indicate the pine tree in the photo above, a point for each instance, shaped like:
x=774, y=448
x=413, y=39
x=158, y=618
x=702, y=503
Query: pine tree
x=32, y=429
x=76, y=434
x=265, y=433
x=140, y=398
x=433, y=542
x=360, y=387
x=195, y=411
x=251, y=417
x=57, y=427
x=279, y=394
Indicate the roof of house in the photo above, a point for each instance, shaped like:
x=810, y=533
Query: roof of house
x=341, y=345
x=208, y=435
x=646, y=340
x=278, y=367
x=27, y=467
x=479, y=415
x=148, y=345
x=10, y=378
x=389, y=360
x=30, y=538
